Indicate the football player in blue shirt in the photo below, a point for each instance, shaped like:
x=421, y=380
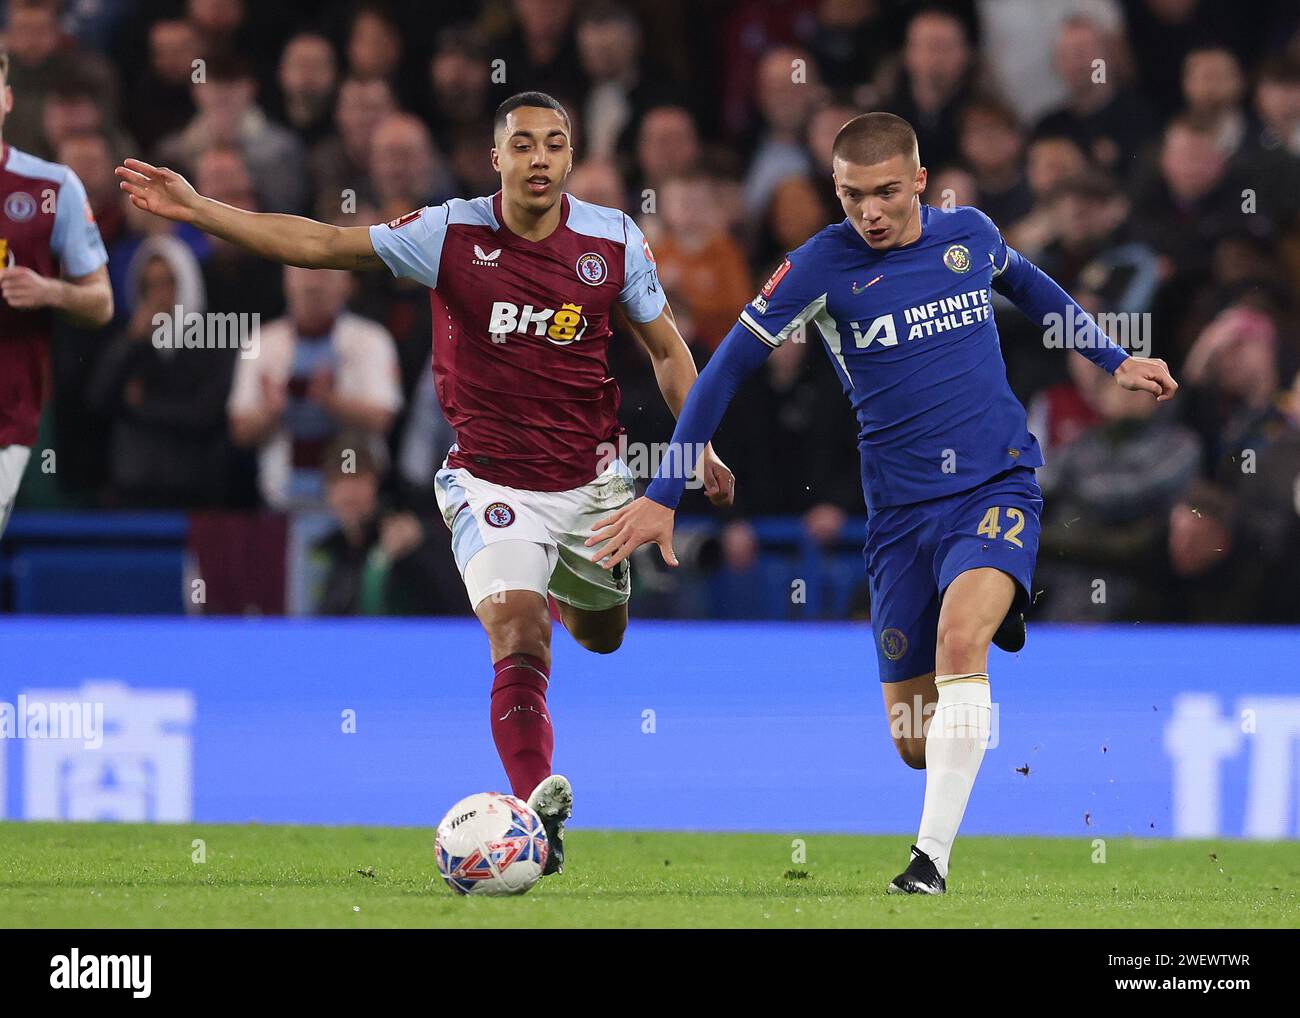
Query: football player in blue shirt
x=901, y=295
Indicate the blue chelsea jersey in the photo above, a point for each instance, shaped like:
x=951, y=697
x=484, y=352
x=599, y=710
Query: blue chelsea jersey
x=912, y=337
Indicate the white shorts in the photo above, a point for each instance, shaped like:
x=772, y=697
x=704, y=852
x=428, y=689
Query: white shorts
x=13, y=461
x=486, y=520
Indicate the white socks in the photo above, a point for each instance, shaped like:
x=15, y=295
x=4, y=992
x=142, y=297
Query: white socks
x=954, y=748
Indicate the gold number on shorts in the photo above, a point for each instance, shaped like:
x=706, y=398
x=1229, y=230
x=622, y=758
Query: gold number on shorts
x=1019, y=525
x=989, y=525
x=991, y=528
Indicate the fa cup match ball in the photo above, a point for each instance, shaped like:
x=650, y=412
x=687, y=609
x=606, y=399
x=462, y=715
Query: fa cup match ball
x=491, y=843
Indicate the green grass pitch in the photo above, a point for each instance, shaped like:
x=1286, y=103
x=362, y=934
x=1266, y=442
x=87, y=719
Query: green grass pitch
x=132, y=875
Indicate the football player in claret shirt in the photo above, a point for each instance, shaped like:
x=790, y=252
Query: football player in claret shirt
x=523, y=286
x=900, y=295
x=51, y=260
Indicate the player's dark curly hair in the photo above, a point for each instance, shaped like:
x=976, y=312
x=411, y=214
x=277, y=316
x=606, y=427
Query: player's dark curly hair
x=4, y=65
x=541, y=99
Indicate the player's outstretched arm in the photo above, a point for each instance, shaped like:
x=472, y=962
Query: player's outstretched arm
x=292, y=240
x=650, y=518
x=1039, y=296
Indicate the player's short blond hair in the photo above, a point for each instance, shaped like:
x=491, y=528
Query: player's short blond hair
x=874, y=137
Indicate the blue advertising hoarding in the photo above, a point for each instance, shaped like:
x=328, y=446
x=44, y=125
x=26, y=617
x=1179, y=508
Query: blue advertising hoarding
x=1106, y=730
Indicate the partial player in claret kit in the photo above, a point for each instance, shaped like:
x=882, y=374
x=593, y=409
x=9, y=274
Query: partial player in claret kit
x=52, y=261
x=523, y=285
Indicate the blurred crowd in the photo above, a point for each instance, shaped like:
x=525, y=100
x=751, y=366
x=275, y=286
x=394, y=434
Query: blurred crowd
x=1145, y=153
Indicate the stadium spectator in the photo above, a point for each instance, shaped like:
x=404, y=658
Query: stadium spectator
x=1062, y=412
x=338, y=165
x=376, y=561
x=993, y=147
x=1214, y=89
x=698, y=259
x=39, y=58
x=235, y=280
x=609, y=44
x=318, y=370
x=950, y=186
x=163, y=388
x=538, y=47
x=788, y=92
x=74, y=106
x=1277, y=103
x=425, y=440
x=668, y=145
x=938, y=72
x=1015, y=50
x=458, y=81
x=1089, y=214
x=374, y=46
x=228, y=115
x=308, y=79
x=1108, y=121
x=599, y=181
x=851, y=35
x=1233, y=387
x=160, y=102
x=824, y=125
x=406, y=171
x=1049, y=160
x=1108, y=497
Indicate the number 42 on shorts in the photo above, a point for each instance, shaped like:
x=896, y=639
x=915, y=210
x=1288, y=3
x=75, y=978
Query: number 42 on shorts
x=991, y=525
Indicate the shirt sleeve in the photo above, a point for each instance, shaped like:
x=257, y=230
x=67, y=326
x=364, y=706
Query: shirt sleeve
x=411, y=246
x=1041, y=298
x=642, y=297
x=786, y=303
x=75, y=239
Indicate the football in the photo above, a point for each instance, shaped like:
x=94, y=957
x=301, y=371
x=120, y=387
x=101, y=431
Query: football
x=492, y=844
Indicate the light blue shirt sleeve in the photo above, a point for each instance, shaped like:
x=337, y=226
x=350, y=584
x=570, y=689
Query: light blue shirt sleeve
x=412, y=245
x=642, y=297
x=75, y=239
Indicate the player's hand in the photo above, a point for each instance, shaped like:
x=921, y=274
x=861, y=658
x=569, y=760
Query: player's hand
x=719, y=481
x=1147, y=374
x=26, y=290
x=643, y=522
x=158, y=190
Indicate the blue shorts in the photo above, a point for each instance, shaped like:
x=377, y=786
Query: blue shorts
x=914, y=551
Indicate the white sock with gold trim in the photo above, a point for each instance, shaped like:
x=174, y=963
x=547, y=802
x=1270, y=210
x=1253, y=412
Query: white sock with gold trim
x=954, y=749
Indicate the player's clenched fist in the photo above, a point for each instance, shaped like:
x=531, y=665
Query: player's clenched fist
x=158, y=190
x=643, y=522
x=1147, y=374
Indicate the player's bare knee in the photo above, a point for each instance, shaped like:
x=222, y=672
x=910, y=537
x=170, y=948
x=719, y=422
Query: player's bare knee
x=518, y=630
x=963, y=645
